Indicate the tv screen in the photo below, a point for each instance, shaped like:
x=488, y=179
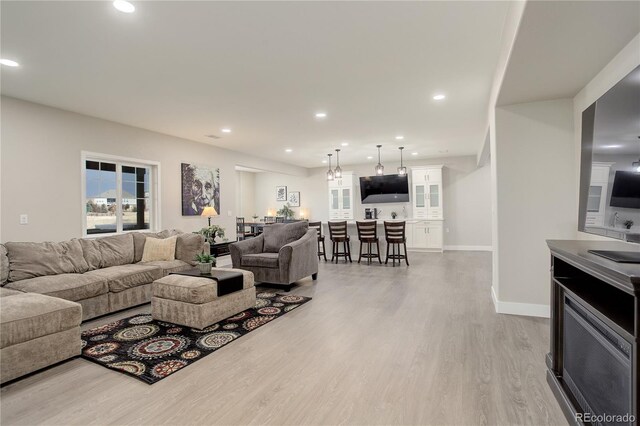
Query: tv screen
x=384, y=189
x=626, y=190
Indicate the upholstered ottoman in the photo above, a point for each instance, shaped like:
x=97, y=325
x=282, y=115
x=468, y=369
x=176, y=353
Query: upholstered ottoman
x=194, y=301
x=36, y=331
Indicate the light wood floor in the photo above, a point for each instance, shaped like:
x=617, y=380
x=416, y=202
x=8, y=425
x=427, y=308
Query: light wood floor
x=377, y=345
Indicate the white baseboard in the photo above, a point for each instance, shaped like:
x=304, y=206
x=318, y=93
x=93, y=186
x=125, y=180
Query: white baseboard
x=516, y=308
x=469, y=248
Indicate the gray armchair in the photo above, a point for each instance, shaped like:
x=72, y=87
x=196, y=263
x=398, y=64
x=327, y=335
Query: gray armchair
x=282, y=254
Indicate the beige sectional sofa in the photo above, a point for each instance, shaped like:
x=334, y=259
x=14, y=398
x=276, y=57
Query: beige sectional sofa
x=48, y=289
x=103, y=275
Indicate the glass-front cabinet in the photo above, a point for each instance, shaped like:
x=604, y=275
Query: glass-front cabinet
x=341, y=197
x=427, y=192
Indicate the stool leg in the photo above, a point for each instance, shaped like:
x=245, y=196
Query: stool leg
x=378, y=251
x=324, y=251
x=349, y=251
x=386, y=260
x=393, y=257
x=333, y=250
x=406, y=257
x=360, y=255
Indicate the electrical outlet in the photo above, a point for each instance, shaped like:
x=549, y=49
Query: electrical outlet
x=24, y=219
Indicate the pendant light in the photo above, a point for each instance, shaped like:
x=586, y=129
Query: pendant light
x=337, y=173
x=379, y=168
x=401, y=170
x=329, y=172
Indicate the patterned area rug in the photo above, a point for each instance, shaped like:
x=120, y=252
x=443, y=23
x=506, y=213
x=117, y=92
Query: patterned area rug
x=152, y=350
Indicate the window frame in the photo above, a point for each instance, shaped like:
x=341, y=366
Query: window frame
x=154, y=191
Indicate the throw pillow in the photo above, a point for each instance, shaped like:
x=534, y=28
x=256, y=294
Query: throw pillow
x=159, y=249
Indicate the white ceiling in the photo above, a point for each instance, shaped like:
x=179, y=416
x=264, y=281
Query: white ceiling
x=562, y=45
x=264, y=68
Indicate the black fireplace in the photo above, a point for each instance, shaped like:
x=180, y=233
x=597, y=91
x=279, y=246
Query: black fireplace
x=597, y=366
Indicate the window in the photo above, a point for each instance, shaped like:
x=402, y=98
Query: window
x=118, y=194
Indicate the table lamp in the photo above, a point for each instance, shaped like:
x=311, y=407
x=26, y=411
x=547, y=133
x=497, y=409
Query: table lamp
x=209, y=212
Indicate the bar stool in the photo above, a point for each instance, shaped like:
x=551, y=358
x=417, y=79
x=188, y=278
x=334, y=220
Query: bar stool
x=368, y=234
x=338, y=234
x=321, y=248
x=394, y=233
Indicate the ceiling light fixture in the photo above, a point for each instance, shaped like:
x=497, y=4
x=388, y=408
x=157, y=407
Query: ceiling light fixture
x=345, y=143
x=438, y=97
x=414, y=153
x=324, y=161
x=369, y=157
x=399, y=137
x=321, y=115
x=225, y=130
x=401, y=170
x=379, y=167
x=124, y=6
x=288, y=150
x=337, y=173
x=329, y=172
x=9, y=63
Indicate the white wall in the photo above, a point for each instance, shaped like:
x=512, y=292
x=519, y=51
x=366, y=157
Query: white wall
x=41, y=170
x=534, y=167
x=246, y=196
x=466, y=197
x=621, y=65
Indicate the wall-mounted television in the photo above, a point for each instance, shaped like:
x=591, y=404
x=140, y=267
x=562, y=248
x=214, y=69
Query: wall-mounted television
x=626, y=190
x=384, y=189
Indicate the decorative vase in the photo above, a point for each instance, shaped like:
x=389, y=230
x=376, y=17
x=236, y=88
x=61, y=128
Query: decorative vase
x=205, y=268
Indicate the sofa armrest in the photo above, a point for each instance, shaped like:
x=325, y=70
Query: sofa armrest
x=248, y=246
x=299, y=258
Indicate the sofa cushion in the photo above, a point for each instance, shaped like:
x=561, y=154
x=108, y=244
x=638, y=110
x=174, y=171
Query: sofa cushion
x=30, y=260
x=169, y=266
x=279, y=234
x=6, y=292
x=159, y=249
x=187, y=246
x=72, y=287
x=4, y=265
x=260, y=260
x=120, y=278
x=140, y=238
x=103, y=252
x=28, y=316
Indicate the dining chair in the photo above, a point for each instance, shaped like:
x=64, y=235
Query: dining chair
x=338, y=234
x=368, y=234
x=321, y=247
x=395, y=235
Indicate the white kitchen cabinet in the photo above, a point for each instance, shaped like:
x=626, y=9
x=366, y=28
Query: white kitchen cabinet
x=426, y=183
x=425, y=235
x=341, y=197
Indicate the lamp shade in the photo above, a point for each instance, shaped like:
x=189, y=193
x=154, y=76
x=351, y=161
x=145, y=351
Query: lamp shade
x=209, y=212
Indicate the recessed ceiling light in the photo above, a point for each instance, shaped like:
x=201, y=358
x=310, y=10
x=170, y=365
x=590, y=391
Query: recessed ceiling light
x=288, y=150
x=321, y=115
x=369, y=157
x=399, y=137
x=614, y=146
x=439, y=97
x=225, y=130
x=345, y=143
x=324, y=161
x=414, y=153
x=9, y=63
x=124, y=6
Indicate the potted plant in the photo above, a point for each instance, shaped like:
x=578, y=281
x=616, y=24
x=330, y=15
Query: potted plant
x=628, y=223
x=286, y=212
x=211, y=232
x=394, y=215
x=205, y=262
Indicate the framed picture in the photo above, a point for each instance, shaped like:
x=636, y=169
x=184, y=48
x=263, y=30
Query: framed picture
x=200, y=189
x=294, y=198
x=281, y=193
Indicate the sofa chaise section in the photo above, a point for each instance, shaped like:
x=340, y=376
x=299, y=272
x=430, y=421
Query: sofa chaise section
x=36, y=331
